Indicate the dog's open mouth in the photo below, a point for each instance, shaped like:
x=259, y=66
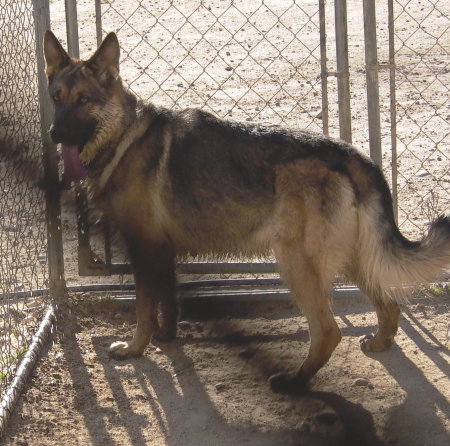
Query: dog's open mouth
x=74, y=170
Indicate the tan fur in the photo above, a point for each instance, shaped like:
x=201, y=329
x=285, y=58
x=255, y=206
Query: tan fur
x=110, y=124
x=136, y=130
x=383, y=270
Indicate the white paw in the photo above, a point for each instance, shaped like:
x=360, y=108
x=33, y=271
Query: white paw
x=122, y=350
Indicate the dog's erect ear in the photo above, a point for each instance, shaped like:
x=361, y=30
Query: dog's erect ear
x=55, y=55
x=105, y=62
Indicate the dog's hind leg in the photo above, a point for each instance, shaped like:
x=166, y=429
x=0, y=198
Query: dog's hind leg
x=305, y=281
x=154, y=273
x=388, y=313
x=313, y=239
x=168, y=321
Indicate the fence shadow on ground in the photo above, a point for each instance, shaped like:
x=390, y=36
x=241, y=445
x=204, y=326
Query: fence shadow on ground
x=182, y=411
x=185, y=413
x=416, y=386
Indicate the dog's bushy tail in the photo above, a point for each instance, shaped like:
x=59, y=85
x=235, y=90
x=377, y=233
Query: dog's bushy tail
x=390, y=265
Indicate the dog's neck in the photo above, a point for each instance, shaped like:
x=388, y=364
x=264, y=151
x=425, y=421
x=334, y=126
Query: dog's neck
x=101, y=168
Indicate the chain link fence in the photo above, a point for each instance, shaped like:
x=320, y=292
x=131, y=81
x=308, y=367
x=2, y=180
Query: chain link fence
x=263, y=61
x=241, y=60
x=23, y=235
x=280, y=62
x=422, y=61
x=246, y=61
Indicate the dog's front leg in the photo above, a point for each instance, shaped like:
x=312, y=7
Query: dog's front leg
x=154, y=273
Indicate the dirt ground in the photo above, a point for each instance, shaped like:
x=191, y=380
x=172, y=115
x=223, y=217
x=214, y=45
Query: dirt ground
x=210, y=386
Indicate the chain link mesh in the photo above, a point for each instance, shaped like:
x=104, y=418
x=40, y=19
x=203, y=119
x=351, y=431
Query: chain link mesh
x=423, y=110
x=23, y=251
x=246, y=61
x=217, y=56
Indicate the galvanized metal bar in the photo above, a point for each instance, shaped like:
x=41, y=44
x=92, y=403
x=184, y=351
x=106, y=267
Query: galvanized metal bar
x=27, y=365
x=57, y=284
x=393, y=107
x=98, y=21
x=200, y=268
x=342, y=70
x=323, y=66
x=73, y=47
x=373, y=94
x=227, y=268
x=88, y=263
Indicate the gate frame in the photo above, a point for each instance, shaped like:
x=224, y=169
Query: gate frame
x=90, y=264
x=57, y=283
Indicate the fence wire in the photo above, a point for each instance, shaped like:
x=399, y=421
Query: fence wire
x=241, y=60
x=422, y=57
x=246, y=61
x=23, y=250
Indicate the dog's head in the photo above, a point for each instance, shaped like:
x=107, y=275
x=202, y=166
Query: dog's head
x=87, y=96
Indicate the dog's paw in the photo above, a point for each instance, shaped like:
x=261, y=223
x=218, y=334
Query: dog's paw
x=287, y=383
x=122, y=350
x=370, y=343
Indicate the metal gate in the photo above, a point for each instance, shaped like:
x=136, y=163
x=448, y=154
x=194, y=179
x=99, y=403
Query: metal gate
x=200, y=52
x=294, y=63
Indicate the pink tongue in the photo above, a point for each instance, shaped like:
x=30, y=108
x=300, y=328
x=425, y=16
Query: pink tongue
x=74, y=169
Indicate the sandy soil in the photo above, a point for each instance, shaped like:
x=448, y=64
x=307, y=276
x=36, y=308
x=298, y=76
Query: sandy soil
x=209, y=387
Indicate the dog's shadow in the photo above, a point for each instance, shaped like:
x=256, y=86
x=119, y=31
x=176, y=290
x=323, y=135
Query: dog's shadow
x=178, y=406
x=183, y=411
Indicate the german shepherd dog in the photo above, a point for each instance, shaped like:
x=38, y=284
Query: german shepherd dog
x=181, y=182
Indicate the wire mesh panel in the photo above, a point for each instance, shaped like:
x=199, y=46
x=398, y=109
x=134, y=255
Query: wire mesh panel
x=276, y=61
x=241, y=60
x=273, y=61
x=422, y=59
x=23, y=247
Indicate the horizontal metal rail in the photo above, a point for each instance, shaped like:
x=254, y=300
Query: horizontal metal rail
x=220, y=288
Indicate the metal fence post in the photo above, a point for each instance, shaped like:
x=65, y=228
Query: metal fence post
x=98, y=21
x=57, y=282
x=73, y=47
x=393, y=105
x=342, y=72
x=323, y=67
x=373, y=96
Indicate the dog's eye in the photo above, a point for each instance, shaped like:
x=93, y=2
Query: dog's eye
x=57, y=96
x=83, y=99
